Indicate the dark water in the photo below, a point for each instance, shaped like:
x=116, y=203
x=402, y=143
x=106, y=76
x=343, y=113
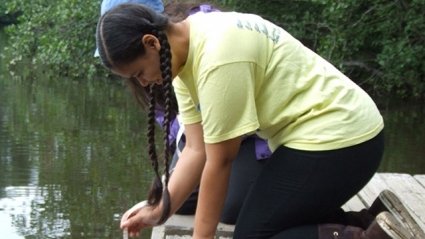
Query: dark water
x=405, y=137
x=72, y=156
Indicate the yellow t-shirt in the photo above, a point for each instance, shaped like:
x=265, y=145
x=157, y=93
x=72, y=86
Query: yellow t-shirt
x=245, y=75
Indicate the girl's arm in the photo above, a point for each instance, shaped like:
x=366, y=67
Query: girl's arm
x=183, y=181
x=213, y=189
x=188, y=170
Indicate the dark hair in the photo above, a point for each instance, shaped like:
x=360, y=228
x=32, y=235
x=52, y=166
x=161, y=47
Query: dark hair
x=120, y=30
x=118, y=37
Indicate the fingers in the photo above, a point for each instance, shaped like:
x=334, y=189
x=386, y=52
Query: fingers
x=126, y=216
x=133, y=219
x=133, y=226
x=129, y=213
x=132, y=211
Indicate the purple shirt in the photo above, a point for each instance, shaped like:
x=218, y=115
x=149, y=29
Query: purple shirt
x=262, y=150
x=175, y=126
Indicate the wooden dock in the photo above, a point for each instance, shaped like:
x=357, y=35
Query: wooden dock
x=410, y=189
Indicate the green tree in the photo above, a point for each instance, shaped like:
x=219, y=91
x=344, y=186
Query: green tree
x=7, y=17
x=56, y=38
x=379, y=44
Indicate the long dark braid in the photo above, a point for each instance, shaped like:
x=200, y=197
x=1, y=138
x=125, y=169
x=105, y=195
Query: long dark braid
x=158, y=190
x=118, y=37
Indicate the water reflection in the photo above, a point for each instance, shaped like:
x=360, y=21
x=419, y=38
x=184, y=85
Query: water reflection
x=405, y=134
x=24, y=207
x=71, y=158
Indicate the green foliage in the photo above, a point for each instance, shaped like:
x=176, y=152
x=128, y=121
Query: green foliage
x=56, y=39
x=6, y=17
x=297, y=17
x=379, y=44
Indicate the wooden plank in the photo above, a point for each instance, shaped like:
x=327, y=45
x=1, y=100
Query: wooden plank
x=354, y=204
x=420, y=179
x=180, y=221
x=189, y=237
x=158, y=232
x=181, y=227
x=371, y=191
x=411, y=193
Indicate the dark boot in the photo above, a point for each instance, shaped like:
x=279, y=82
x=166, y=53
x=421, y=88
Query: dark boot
x=361, y=219
x=385, y=226
x=386, y=201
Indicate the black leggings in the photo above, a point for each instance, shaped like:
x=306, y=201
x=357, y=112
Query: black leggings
x=296, y=190
x=245, y=169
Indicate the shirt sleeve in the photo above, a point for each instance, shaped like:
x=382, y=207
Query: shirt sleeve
x=189, y=113
x=227, y=101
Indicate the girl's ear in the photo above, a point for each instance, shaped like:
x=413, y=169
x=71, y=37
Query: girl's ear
x=151, y=41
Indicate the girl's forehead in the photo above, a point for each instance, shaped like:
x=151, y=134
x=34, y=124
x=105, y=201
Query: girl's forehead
x=125, y=70
x=129, y=69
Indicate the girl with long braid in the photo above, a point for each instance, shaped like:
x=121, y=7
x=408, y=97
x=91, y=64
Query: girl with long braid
x=253, y=151
x=235, y=75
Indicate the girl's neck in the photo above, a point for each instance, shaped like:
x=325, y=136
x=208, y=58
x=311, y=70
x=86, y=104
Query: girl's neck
x=178, y=37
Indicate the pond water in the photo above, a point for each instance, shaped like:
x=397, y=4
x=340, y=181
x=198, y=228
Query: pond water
x=72, y=156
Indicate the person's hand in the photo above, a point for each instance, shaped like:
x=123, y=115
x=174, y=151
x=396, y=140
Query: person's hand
x=138, y=217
